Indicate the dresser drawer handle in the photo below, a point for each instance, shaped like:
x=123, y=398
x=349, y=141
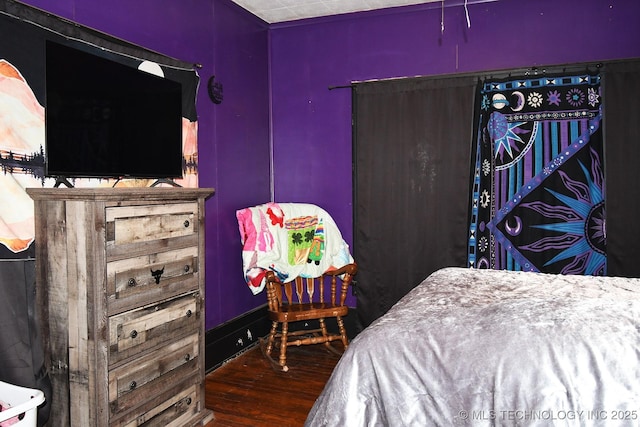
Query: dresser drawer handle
x=132, y=282
x=186, y=223
x=185, y=401
x=187, y=357
x=189, y=313
x=133, y=385
x=187, y=268
x=133, y=334
x=157, y=274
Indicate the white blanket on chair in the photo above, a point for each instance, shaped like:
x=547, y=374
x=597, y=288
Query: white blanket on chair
x=292, y=239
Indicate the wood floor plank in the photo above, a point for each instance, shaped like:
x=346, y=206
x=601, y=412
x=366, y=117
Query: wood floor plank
x=248, y=392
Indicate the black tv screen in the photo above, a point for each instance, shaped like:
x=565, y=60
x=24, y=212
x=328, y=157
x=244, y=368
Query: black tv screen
x=106, y=119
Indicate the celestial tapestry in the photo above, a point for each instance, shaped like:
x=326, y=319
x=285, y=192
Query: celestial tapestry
x=538, y=195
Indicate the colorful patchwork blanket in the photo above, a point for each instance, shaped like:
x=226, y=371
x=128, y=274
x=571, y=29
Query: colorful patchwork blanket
x=291, y=239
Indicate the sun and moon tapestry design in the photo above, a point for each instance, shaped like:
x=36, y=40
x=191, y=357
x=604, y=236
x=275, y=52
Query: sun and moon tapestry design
x=538, y=194
x=22, y=128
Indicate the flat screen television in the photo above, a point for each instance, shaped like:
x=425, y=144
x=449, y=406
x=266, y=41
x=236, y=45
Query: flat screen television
x=106, y=119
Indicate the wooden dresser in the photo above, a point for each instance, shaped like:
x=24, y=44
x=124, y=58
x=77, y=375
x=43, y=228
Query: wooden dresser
x=120, y=294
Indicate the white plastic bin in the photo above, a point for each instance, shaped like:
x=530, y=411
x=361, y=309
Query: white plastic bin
x=22, y=400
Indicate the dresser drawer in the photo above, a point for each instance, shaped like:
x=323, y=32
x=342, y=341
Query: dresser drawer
x=139, y=224
x=143, y=279
x=153, y=374
x=139, y=330
x=172, y=411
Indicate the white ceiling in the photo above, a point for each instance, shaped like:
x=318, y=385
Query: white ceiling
x=273, y=11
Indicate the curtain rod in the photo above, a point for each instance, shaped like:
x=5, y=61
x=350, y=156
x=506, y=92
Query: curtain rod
x=494, y=74
x=341, y=87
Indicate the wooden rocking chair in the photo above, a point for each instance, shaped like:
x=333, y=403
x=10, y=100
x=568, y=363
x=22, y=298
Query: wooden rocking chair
x=283, y=309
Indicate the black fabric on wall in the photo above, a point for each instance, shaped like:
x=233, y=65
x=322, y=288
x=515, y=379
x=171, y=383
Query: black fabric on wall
x=24, y=31
x=411, y=178
x=21, y=355
x=621, y=125
x=411, y=184
x=25, y=28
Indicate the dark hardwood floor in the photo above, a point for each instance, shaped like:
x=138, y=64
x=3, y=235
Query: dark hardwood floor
x=248, y=392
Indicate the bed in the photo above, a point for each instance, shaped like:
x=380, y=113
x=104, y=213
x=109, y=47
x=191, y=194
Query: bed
x=486, y=347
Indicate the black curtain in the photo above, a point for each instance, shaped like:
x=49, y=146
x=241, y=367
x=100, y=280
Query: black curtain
x=21, y=353
x=621, y=125
x=412, y=178
x=411, y=184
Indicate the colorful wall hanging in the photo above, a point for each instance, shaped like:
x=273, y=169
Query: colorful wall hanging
x=538, y=195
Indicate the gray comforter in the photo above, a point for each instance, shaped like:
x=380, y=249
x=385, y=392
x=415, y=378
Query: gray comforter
x=485, y=347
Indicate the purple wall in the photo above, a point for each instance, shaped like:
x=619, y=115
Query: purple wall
x=311, y=125
x=239, y=152
x=294, y=64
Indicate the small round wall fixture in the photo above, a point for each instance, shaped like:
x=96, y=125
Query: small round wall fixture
x=214, y=89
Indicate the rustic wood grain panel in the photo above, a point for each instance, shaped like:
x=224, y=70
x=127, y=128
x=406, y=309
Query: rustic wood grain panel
x=144, y=223
x=175, y=411
x=78, y=268
x=130, y=402
x=77, y=254
x=133, y=376
x=143, y=211
x=130, y=329
x=178, y=407
x=122, y=251
x=51, y=234
x=131, y=283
